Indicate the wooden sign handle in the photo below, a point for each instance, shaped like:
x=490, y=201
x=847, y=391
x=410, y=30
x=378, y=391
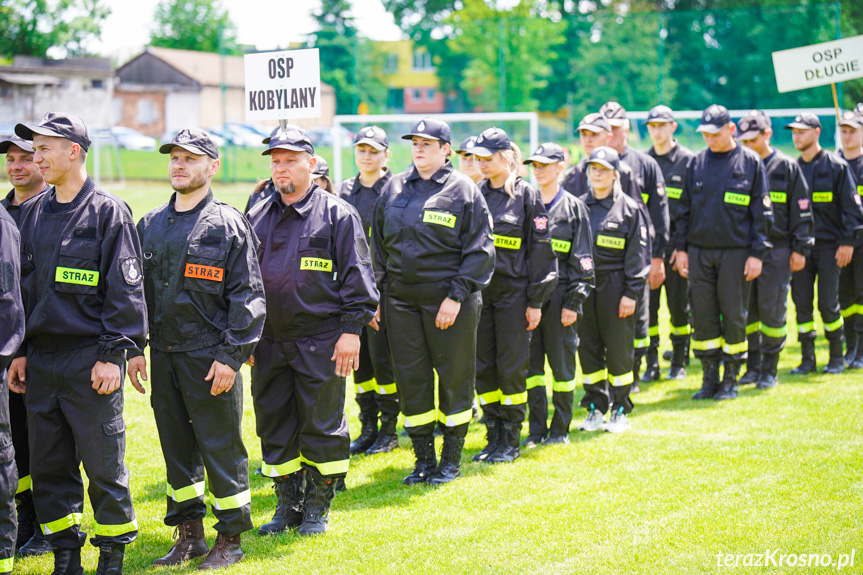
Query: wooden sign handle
x=835, y=102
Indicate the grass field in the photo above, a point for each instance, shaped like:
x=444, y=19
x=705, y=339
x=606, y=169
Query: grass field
x=778, y=470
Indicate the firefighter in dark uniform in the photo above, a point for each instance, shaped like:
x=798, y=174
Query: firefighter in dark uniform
x=791, y=240
x=27, y=184
x=434, y=252
x=525, y=276
x=594, y=131
x=838, y=217
x=723, y=222
x=374, y=379
x=321, y=175
x=81, y=280
x=205, y=303
x=673, y=160
x=621, y=251
x=320, y=289
x=467, y=162
x=11, y=336
x=851, y=277
x=651, y=194
x=264, y=189
x=557, y=336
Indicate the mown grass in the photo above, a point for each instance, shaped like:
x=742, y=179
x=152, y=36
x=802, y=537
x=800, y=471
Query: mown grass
x=781, y=469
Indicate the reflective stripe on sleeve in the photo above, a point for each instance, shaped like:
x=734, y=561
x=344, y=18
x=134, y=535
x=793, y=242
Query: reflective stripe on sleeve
x=24, y=484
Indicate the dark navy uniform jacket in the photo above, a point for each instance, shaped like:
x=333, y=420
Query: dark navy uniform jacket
x=522, y=239
x=316, y=266
x=11, y=306
x=621, y=239
x=363, y=198
x=856, y=166
x=673, y=165
x=15, y=211
x=792, y=207
x=435, y=230
x=81, y=274
x=649, y=179
x=261, y=192
x=575, y=180
x=725, y=203
x=836, y=205
x=571, y=241
x=202, y=280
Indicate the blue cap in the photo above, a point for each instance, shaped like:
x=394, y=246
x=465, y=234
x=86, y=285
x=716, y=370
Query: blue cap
x=548, y=153
x=294, y=139
x=490, y=141
x=430, y=129
x=605, y=156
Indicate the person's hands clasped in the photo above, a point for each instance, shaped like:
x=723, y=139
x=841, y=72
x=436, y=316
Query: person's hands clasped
x=347, y=354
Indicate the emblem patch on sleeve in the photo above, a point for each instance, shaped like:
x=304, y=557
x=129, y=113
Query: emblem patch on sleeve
x=540, y=223
x=586, y=263
x=361, y=246
x=803, y=203
x=7, y=277
x=132, y=272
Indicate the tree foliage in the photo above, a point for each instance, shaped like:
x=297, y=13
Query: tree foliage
x=33, y=27
x=202, y=25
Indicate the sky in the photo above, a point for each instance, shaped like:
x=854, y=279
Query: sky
x=266, y=24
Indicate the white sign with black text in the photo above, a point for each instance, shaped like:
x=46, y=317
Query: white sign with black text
x=283, y=85
x=819, y=64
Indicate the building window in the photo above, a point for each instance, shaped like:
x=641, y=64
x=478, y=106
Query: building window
x=422, y=60
x=416, y=95
x=396, y=100
x=98, y=84
x=146, y=112
x=430, y=94
x=391, y=63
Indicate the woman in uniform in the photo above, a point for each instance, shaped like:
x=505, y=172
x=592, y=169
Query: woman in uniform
x=556, y=337
x=374, y=380
x=321, y=175
x=525, y=275
x=467, y=163
x=433, y=253
x=621, y=254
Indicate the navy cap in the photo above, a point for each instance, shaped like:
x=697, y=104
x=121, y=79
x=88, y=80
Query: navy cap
x=58, y=126
x=605, y=156
x=467, y=145
x=294, y=139
x=193, y=140
x=373, y=136
x=266, y=141
x=752, y=124
x=430, y=129
x=6, y=143
x=548, y=153
x=804, y=121
x=851, y=118
x=594, y=123
x=660, y=115
x=322, y=168
x=614, y=113
x=490, y=141
x=713, y=119
x=858, y=109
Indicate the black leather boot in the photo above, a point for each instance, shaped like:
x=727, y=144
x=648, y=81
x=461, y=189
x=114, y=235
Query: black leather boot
x=426, y=460
x=289, y=508
x=768, y=378
x=27, y=522
x=450, y=461
x=679, y=354
x=493, y=432
x=709, y=379
x=836, y=365
x=36, y=546
x=368, y=432
x=190, y=543
x=226, y=551
x=651, y=368
x=850, y=344
x=858, y=358
x=110, y=558
x=753, y=364
x=508, y=449
x=387, y=439
x=728, y=387
x=67, y=562
x=807, y=352
x=316, y=509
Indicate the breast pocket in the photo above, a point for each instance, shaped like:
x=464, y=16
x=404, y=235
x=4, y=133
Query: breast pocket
x=77, y=269
x=204, y=271
x=611, y=239
x=441, y=217
x=736, y=196
x=508, y=230
x=561, y=239
x=315, y=262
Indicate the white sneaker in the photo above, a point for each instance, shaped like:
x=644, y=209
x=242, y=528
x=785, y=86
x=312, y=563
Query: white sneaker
x=593, y=421
x=617, y=423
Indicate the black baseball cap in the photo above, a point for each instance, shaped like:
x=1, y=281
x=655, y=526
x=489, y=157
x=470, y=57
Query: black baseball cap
x=58, y=126
x=6, y=143
x=614, y=113
x=858, y=109
x=293, y=139
x=713, y=119
x=594, y=123
x=660, y=115
x=490, y=141
x=605, y=156
x=752, y=124
x=192, y=140
x=430, y=129
x=804, y=121
x=373, y=136
x=548, y=153
x=467, y=145
x=275, y=131
x=322, y=168
x=849, y=118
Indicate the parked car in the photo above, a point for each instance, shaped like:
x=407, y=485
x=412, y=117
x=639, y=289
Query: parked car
x=124, y=137
x=324, y=136
x=236, y=135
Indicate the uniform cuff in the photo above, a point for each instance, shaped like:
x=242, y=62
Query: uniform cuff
x=228, y=360
x=572, y=303
x=130, y=353
x=109, y=357
x=352, y=327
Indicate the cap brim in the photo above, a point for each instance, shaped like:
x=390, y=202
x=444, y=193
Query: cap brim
x=852, y=123
x=426, y=136
x=288, y=147
x=6, y=144
x=658, y=121
x=374, y=144
x=800, y=126
x=750, y=135
x=605, y=163
x=483, y=152
x=617, y=123
x=166, y=149
x=709, y=128
x=541, y=160
x=591, y=128
x=27, y=132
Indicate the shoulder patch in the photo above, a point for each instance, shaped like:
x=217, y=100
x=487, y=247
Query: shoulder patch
x=660, y=190
x=586, y=263
x=132, y=271
x=7, y=277
x=540, y=223
x=361, y=246
x=857, y=199
x=766, y=201
x=803, y=203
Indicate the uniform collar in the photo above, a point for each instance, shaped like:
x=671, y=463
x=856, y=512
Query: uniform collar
x=438, y=177
x=206, y=200
x=377, y=187
x=88, y=188
x=607, y=201
x=303, y=206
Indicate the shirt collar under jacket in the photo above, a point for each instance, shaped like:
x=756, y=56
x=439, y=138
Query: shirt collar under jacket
x=438, y=177
x=376, y=187
x=88, y=188
x=607, y=201
x=204, y=201
x=303, y=206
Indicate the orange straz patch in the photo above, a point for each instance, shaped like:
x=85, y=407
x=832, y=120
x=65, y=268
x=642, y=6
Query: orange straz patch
x=204, y=272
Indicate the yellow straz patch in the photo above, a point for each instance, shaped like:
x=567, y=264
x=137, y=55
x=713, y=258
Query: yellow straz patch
x=610, y=242
x=822, y=197
x=204, y=272
x=316, y=264
x=737, y=199
x=674, y=193
x=507, y=242
x=561, y=245
x=439, y=218
x=80, y=277
x=779, y=197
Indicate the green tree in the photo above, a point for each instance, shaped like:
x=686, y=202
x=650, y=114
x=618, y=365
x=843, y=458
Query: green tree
x=32, y=27
x=202, y=25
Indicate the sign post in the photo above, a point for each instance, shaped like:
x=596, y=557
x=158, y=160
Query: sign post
x=283, y=85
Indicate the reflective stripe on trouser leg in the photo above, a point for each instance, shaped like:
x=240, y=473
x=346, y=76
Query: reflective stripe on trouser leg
x=379, y=359
x=24, y=484
x=58, y=492
x=821, y=267
x=771, y=293
x=199, y=431
x=677, y=299
x=8, y=483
